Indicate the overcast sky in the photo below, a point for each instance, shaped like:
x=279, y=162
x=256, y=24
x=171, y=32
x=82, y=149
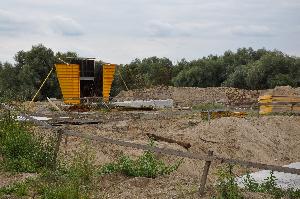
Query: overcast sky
x=117, y=31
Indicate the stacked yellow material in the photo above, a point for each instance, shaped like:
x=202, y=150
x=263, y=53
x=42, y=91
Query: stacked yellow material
x=279, y=104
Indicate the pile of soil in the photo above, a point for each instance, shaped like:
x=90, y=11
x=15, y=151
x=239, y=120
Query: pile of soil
x=189, y=96
x=283, y=90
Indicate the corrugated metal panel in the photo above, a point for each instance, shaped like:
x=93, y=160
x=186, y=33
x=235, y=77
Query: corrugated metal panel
x=108, y=77
x=69, y=81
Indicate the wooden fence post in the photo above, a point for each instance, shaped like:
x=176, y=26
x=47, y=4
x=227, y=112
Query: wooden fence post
x=56, y=149
x=66, y=144
x=204, y=174
x=208, y=116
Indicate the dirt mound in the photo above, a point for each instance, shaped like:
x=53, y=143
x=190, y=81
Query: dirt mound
x=283, y=90
x=188, y=96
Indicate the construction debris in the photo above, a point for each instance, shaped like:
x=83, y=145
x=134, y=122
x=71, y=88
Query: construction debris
x=53, y=105
x=79, y=108
x=75, y=122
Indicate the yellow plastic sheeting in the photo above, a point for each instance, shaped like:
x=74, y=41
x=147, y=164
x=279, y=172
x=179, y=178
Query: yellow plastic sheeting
x=69, y=81
x=108, y=77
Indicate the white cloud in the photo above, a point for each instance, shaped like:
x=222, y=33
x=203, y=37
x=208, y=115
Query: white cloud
x=251, y=30
x=120, y=30
x=11, y=24
x=160, y=29
x=66, y=26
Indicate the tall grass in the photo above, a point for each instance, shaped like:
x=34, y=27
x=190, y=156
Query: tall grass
x=72, y=179
x=21, y=151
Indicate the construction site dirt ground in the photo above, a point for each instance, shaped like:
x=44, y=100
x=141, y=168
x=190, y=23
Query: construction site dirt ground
x=266, y=139
x=269, y=139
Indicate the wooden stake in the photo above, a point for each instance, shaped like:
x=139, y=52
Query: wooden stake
x=66, y=144
x=41, y=86
x=208, y=116
x=56, y=150
x=204, y=175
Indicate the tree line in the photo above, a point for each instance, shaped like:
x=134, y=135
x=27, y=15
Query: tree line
x=246, y=68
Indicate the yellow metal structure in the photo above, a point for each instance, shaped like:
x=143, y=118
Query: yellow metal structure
x=69, y=80
x=272, y=104
x=108, y=77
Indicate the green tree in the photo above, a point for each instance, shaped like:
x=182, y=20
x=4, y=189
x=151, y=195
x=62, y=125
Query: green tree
x=33, y=66
x=203, y=72
x=148, y=72
x=9, y=82
x=237, y=78
x=256, y=76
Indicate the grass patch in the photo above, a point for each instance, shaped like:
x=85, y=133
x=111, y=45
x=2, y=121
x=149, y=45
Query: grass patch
x=147, y=165
x=18, y=189
x=21, y=150
x=227, y=187
x=208, y=106
x=71, y=180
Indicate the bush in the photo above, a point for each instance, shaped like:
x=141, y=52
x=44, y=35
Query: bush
x=72, y=180
x=21, y=150
x=226, y=186
x=147, y=165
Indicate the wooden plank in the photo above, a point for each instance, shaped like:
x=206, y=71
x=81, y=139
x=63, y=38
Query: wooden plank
x=204, y=175
x=56, y=149
x=139, y=146
x=164, y=139
x=184, y=154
